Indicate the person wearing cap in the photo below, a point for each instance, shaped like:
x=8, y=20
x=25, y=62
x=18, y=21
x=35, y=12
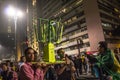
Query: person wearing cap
x=28, y=71
x=105, y=63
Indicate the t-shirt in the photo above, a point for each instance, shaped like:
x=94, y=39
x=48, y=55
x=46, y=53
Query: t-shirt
x=67, y=73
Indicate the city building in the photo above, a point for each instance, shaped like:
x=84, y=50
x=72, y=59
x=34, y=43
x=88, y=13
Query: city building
x=91, y=21
x=6, y=32
x=13, y=44
x=86, y=22
x=31, y=24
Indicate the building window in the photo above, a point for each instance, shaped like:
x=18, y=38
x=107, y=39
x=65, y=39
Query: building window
x=107, y=25
x=74, y=18
x=85, y=36
x=80, y=14
x=107, y=17
x=69, y=21
x=87, y=44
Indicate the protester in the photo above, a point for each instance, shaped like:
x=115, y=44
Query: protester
x=6, y=74
x=105, y=64
x=51, y=73
x=86, y=62
x=21, y=62
x=78, y=66
x=29, y=71
x=65, y=71
x=8, y=64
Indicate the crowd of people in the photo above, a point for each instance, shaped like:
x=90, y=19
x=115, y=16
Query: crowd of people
x=104, y=66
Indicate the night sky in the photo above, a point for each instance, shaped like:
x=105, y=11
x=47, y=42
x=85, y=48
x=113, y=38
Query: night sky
x=7, y=39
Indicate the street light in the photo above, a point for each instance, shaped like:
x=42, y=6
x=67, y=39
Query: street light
x=15, y=13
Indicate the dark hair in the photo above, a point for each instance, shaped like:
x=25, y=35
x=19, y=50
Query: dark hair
x=26, y=50
x=4, y=64
x=59, y=50
x=8, y=61
x=103, y=44
x=21, y=57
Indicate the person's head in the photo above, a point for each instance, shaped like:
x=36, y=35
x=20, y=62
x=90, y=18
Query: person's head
x=8, y=62
x=4, y=67
x=102, y=46
x=61, y=53
x=22, y=59
x=29, y=54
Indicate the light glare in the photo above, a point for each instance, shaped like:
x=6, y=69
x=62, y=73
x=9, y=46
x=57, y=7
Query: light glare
x=19, y=13
x=10, y=11
x=13, y=12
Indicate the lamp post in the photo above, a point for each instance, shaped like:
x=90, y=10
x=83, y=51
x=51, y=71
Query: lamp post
x=79, y=44
x=15, y=13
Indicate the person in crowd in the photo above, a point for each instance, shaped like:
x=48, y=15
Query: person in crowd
x=51, y=73
x=65, y=71
x=0, y=68
x=7, y=74
x=86, y=62
x=92, y=60
x=78, y=66
x=13, y=67
x=106, y=64
x=29, y=71
x=8, y=64
x=22, y=61
x=0, y=71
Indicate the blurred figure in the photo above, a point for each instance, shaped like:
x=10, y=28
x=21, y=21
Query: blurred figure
x=29, y=71
x=86, y=64
x=78, y=66
x=13, y=67
x=0, y=68
x=51, y=73
x=8, y=75
x=22, y=61
x=106, y=64
x=83, y=63
x=8, y=64
x=92, y=62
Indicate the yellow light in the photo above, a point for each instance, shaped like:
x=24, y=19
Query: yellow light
x=116, y=9
x=79, y=2
x=64, y=10
x=34, y=2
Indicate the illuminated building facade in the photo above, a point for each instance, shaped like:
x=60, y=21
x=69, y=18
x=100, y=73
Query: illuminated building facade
x=91, y=21
x=31, y=23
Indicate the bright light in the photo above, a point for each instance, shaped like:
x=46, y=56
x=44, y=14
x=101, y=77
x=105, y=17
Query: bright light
x=13, y=12
x=10, y=11
x=19, y=13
